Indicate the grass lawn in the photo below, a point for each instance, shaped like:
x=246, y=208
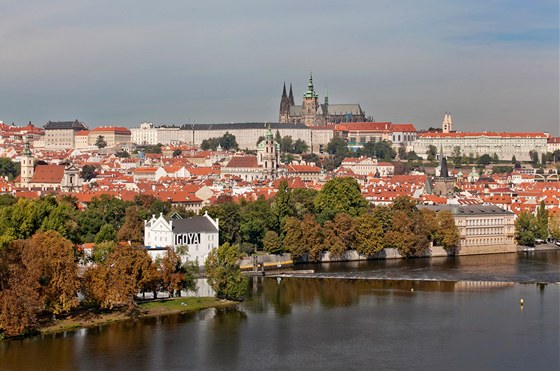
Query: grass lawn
x=91, y=318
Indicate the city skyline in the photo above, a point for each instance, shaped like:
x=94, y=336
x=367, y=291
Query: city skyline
x=493, y=64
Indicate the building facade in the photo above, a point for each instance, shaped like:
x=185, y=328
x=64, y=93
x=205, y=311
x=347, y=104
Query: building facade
x=483, y=229
x=199, y=234
x=504, y=145
x=61, y=134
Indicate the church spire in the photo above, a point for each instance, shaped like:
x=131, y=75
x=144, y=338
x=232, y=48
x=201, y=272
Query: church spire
x=284, y=92
x=291, y=96
x=310, y=90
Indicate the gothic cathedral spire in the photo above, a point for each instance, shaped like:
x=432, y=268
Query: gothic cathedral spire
x=284, y=106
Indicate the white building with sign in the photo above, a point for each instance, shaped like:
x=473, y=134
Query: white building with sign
x=199, y=234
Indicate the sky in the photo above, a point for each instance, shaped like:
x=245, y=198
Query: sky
x=493, y=64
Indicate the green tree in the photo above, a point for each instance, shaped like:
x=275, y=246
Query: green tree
x=272, y=243
x=554, y=227
x=88, y=172
x=312, y=237
x=228, y=141
x=542, y=222
x=341, y=195
x=9, y=169
x=525, y=229
x=485, y=160
x=107, y=233
x=300, y=146
x=431, y=152
x=457, y=157
x=287, y=144
x=100, y=142
x=281, y=204
x=224, y=274
x=177, y=153
x=447, y=231
x=293, y=238
x=229, y=216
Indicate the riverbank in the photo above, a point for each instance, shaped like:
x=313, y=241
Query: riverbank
x=87, y=318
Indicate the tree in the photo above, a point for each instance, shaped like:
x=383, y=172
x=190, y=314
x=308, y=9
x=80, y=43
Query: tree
x=431, y=152
x=525, y=228
x=224, y=274
x=457, y=157
x=409, y=234
x=100, y=142
x=272, y=243
x=292, y=238
x=287, y=144
x=107, y=233
x=534, y=155
x=229, y=216
x=177, y=153
x=228, y=142
x=8, y=168
x=133, y=228
x=175, y=276
x=19, y=298
x=447, y=231
x=49, y=258
x=369, y=235
x=281, y=204
x=117, y=281
x=122, y=154
x=513, y=159
x=88, y=172
x=554, y=227
x=300, y=146
x=382, y=150
x=341, y=195
x=541, y=231
x=339, y=235
x=312, y=237
x=485, y=160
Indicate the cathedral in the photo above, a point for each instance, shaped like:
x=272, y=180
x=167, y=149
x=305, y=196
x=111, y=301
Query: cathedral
x=312, y=113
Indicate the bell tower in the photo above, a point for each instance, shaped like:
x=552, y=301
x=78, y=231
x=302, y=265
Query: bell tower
x=310, y=104
x=27, y=165
x=447, y=126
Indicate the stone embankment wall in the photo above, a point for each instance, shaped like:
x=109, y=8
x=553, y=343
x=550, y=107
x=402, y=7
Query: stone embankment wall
x=285, y=260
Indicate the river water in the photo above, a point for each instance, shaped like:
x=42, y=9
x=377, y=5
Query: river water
x=439, y=314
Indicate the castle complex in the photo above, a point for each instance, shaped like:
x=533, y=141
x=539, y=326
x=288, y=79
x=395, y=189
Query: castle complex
x=311, y=113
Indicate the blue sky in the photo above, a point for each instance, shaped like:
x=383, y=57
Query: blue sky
x=493, y=64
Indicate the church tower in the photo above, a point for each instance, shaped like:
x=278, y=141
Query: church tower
x=27, y=166
x=291, y=96
x=284, y=106
x=447, y=123
x=310, y=104
x=268, y=154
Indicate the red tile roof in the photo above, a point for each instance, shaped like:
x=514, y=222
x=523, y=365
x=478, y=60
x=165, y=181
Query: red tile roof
x=243, y=161
x=48, y=174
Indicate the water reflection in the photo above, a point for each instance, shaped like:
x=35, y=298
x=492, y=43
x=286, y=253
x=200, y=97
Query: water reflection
x=537, y=267
x=288, y=292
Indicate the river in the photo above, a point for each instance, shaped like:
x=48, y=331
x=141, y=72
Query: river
x=439, y=314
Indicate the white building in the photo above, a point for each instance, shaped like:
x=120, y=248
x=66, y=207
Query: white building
x=504, y=145
x=200, y=234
